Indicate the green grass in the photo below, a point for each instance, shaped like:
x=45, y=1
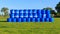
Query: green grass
x=30, y=28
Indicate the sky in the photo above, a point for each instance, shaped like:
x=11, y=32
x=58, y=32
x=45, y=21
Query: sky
x=28, y=4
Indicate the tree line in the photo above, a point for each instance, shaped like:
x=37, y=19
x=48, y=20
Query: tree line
x=53, y=12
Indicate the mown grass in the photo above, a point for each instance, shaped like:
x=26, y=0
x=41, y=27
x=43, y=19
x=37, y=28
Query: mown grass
x=30, y=27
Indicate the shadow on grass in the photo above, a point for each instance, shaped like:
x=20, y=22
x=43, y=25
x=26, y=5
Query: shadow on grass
x=3, y=21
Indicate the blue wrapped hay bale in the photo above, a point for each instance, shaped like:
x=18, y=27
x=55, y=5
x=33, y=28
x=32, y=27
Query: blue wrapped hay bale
x=47, y=11
x=32, y=19
x=42, y=20
x=38, y=11
x=25, y=15
x=12, y=11
x=29, y=11
x=39, y=15
x=37, y=19
x=18, y=19
x=21, y=11
x=43, y=15
x=21, y=15
x=48, y=15
x=28, y=20
x=23, y=19
x=9, y=19
x=25, y=11
x=42, y=11
x=16, y=15
x=35, y=15
x=16, y=11
x=46, y=19
x=12, y=15
x=14, y=20
x=51, y=19
x=30, y=15
x=34, y=11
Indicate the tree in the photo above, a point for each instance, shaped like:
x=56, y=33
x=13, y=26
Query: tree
x=53, y=12
x=5, y=10
x=58, y=8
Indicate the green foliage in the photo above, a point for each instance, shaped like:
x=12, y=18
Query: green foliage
x=53, y=12
x=5, y=10
x=58, y=7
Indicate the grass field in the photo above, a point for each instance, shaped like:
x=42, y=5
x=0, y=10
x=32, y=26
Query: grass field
x=29, y=28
